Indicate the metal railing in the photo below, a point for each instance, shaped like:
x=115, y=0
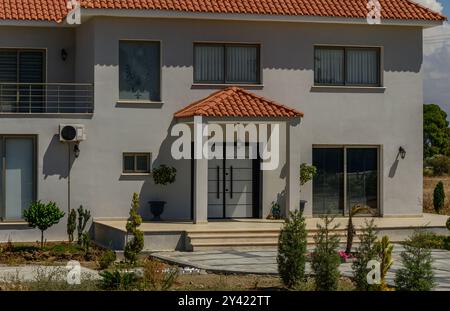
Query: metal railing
x=54, y=98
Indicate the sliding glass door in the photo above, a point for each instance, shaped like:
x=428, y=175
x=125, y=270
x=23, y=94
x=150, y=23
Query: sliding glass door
x=346, y=176
x=18, y=175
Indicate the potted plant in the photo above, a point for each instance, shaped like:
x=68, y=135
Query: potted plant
x=162, y=175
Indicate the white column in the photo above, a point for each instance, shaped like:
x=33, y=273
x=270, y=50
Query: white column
x=292, y=165
x=200, y=191
x=200, y=174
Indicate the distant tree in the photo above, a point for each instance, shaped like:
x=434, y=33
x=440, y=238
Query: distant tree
x=435, y=131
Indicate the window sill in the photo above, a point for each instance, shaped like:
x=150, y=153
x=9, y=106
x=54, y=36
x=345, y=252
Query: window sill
x=135, y=174
x=134, y=102
x=347, y=89
x=224, y=86
x=15, y=223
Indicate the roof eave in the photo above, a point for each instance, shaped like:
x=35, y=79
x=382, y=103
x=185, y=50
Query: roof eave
x=253, y=17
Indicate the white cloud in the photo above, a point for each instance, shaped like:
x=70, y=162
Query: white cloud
x=431, y=4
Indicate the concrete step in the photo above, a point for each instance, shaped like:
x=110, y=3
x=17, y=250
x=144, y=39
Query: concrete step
x=244, y=239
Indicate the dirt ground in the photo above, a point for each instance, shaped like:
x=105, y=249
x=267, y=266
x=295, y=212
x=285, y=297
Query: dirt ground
x=429, y=183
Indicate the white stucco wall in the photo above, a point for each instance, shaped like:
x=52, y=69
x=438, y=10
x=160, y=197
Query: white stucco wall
x=389, y=118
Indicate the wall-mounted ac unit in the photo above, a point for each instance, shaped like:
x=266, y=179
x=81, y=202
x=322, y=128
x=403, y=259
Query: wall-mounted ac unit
x=72, y=132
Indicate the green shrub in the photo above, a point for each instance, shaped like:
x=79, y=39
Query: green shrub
x=365, y=253
x=440, y=165
x=447, y=224
x=292, y=245
x=447, y=243
x=42, y=216
x=417, y=272
x=71, y=224
x=83, y=217
x=164, y=175
x=107, y=258
x=439, y=197
x=427, y=239
x=157, y=276
x=384, y=249
x=118, y=280
x=325, y=259
x=307, y=173
x=135, y=245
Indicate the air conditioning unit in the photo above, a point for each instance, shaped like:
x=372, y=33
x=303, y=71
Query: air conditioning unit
x=72, y=132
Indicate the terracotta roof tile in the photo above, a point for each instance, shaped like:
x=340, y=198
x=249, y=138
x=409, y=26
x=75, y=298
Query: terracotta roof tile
x=56, y=10
x=237, y=102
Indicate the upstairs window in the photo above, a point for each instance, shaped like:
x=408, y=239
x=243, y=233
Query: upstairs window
x=347, y=66
x=139, y=71
x=226, y=63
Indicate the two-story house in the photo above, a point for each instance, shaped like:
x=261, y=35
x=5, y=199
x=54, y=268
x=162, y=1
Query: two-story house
x=346, y=95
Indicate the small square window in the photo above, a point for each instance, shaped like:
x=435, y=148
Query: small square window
x=136, y=163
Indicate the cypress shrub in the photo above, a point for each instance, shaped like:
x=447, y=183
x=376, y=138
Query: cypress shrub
x=439, y=197
x=325, y=259
x=365, y=253
x=292, y=250
x=417, y=272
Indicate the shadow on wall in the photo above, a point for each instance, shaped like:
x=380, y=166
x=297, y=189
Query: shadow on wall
x=56, y=159
x=394, y=166
x=296, y=39
x=152, y=192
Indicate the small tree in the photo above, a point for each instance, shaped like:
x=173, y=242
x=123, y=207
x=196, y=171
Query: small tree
x=351, y=231
x=292, y=245
x=71, y=224
x=83, y=217
x=136, y=244
x=307, y=173
x=384, y=249
x=365, y=253
x=417, y=272
x=439, y=197
x=42, y=216
x=325, y=259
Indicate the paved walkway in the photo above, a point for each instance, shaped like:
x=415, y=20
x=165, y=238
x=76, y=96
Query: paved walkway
x=264, y=262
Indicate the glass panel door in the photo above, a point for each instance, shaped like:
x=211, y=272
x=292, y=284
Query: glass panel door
x=328, y=184
x=19, y=176
x=362, y=178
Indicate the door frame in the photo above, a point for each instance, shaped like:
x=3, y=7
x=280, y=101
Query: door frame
x=256, y=189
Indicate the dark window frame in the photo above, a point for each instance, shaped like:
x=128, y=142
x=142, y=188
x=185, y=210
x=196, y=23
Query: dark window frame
x=22, y=50
x=3, y=138
x=160, y=45
x=224, y=62
x=135, y=155
x=344, y=71
x=345, y=148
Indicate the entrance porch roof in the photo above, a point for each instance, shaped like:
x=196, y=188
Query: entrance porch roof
x=239, y=103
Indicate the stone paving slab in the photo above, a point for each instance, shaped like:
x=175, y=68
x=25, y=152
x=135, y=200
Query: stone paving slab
x=263, y=262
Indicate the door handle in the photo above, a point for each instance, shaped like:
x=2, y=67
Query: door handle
x=231, y=182
x=218, y=182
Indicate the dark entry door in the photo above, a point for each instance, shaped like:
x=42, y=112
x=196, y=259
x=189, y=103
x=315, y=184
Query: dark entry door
x=233, y=188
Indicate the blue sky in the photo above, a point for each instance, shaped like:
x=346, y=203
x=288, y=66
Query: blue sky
x=446, y=4
x=436, y=61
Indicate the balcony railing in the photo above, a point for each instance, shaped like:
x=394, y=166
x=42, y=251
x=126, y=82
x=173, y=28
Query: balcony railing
x=41, y=98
